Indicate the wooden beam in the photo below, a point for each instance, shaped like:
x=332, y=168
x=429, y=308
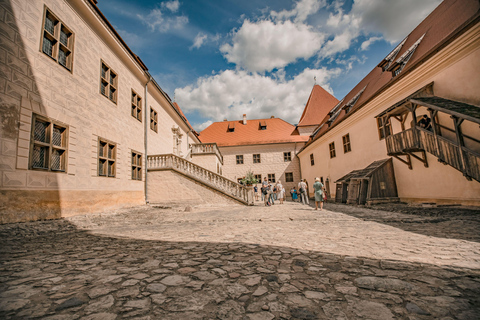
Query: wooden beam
x=408, y=162
x=423, y=159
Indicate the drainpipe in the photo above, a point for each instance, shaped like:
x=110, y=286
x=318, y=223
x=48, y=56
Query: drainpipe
x=147, y=118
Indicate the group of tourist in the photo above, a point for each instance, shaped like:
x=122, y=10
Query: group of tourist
x=270, y=192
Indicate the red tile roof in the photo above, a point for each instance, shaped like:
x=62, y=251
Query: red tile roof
x=277, y=131
x=318, y=105
x=442, y=26
x=184, y=118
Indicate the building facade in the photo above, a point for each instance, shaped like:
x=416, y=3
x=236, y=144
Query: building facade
x=265, y=147
x=79, y=111
x=432, y=72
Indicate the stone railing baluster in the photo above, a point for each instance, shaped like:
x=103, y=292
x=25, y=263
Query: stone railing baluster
x=210, y=178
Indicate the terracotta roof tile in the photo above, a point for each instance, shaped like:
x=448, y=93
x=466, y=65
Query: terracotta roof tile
x=443, y=24
x=184, y=118
x=318, y=105
x=277, y=131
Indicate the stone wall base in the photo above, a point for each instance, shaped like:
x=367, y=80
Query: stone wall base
x=31, y=205
x=463, y=202
x=170, y=188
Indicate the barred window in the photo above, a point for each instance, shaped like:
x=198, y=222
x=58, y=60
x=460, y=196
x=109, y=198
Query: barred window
x=287, y=156
x=48, y=147
x=136, y=166
x=312, y=160
x=136, y=106
x=346, y=143
x=331, y=146
x=57, y=40
x=271, y=177
x=153, y=120
x=107, y=154
x=256, y=158
x=288, y=176
x=239, y=159
x=108, y=82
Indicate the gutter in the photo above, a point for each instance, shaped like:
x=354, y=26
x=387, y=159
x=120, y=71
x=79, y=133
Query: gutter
x=146, y=116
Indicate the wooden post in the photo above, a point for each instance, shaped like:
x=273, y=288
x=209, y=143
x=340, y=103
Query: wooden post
x=460, y=143
x=433, y=115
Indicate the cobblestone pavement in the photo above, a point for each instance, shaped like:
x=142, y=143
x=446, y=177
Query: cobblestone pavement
x=281, y=262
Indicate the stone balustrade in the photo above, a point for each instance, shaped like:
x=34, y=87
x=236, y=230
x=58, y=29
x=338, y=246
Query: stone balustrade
x=211, y=179
x=206, y=148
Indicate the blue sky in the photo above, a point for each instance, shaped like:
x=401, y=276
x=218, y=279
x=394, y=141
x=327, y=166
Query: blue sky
x=223, y=58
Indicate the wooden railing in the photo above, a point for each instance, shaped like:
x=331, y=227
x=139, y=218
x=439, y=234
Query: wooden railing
x=209, y=178
x=206, y=148
x=402, y=142
x=445, y=150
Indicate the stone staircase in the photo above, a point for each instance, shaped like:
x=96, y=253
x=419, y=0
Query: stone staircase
x=201, y=175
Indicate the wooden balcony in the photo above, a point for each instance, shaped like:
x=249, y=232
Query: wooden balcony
x=403, y=142
x=447, y=152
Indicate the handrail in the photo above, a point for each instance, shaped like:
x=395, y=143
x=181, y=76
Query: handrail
x=205, y=148
x=226, y=186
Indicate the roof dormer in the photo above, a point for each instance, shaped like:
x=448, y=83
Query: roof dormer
x=352, y=101
x=262, y=125
x=401, y=62
x=231, y=127
x=385, y=63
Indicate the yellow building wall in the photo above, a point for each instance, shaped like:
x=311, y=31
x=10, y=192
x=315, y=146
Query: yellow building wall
x=454, y=71
x=272, y=162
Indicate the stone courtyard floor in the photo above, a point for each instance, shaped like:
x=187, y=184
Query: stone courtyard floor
x=281, y=262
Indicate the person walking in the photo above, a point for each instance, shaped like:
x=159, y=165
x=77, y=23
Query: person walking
x=270, y=198
x=280, y=192
x=266, y=192
x=264, y=185
x=318, y=187
x=302, y=188
x=294, y=195
x=255, y=189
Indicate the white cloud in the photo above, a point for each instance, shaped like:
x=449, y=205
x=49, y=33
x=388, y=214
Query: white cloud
x=171, y=5
x=301, y=11
x=366, y=44
x=392, y=18
x=156, y=20
x=266, y=45
x=199, y=40
x=232, y=93
x=201, y=126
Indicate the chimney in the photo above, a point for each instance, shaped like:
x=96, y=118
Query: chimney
x=244, y=119
x=272, y=117
x=225, y=119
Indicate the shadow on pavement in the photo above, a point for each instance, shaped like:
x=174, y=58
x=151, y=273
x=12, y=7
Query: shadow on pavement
x=52, y=270
x=457, y=222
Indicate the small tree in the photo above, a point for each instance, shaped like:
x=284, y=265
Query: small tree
x=249, y=179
